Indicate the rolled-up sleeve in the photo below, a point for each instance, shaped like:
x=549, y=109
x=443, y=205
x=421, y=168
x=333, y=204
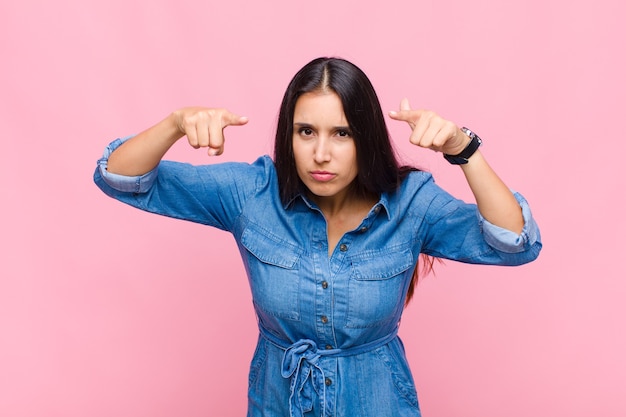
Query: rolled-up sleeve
x=209, y=194
x=507, y=241
x=123, y=183
x=456, y=230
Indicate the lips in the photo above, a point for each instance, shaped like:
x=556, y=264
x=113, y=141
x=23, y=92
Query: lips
x=322, y=176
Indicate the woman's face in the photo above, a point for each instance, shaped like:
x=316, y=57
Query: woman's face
x=323, y=147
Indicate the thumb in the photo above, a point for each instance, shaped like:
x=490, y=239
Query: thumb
x=405, y=113
x=404, y=104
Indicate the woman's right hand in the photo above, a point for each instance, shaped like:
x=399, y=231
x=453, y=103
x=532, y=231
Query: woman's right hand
x=204, y=127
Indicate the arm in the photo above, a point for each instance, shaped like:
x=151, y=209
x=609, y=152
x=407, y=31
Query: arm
x=495, y=201
x=131, y=170
x=203, y=127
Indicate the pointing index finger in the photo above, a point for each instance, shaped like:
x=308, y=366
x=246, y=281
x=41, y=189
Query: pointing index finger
x=231, y=119
x=406, y=114
x=216, y=130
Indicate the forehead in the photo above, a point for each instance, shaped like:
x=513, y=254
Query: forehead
x=320, y=109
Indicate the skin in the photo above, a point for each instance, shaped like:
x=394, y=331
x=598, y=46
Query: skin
x=204, y=128
x=325, y=156
x=324, y=147
x=495, y=201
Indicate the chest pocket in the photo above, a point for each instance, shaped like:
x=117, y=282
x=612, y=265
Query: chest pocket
x=273, y=270
x=376, y=288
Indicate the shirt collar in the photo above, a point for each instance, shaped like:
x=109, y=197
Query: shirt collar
x=382, y=205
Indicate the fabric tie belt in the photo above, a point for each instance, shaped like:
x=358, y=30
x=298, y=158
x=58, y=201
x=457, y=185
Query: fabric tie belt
x=301, y=365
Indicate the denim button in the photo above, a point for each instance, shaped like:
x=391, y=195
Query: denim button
x=328, y=347
x=324, y=284
x=343, y=247
x=363, y=229
x=324, y=319
x=328, y=381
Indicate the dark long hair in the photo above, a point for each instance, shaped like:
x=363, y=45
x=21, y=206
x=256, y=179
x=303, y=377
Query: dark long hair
x=378, y=168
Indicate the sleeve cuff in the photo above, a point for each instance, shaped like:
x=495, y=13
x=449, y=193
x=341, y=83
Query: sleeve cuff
x=507, y=241
x=123, y=183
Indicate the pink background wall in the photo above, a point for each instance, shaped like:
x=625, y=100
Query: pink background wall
x=107, y=311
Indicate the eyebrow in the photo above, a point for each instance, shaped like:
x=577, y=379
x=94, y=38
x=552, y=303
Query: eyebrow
x=310, y=126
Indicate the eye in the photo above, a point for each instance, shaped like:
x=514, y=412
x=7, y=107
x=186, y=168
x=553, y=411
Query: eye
x=344, y=133
x=305, y=131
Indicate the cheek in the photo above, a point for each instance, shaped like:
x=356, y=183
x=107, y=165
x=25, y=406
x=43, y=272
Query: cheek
x=297, y=158
x=297, y=152
x=354, y=174
x=352, y=162
x=300, y=166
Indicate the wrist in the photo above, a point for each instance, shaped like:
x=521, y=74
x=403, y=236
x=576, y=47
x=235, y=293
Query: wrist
x=462, y=157
x=172, y=128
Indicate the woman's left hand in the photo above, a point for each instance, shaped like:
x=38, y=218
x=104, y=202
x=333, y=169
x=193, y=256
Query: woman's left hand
x=431, y=130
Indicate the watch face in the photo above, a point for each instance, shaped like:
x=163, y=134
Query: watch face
x=468, y=132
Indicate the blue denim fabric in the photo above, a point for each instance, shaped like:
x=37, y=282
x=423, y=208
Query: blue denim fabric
x=328, y=341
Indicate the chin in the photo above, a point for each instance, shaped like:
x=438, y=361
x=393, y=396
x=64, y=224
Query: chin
x=319, y=191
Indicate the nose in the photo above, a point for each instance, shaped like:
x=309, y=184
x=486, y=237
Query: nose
x=322, y=150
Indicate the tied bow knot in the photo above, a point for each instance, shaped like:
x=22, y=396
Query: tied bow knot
x=301, y=364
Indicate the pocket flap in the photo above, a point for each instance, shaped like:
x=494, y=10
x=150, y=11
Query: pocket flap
x=380, y=266
x=270, y=249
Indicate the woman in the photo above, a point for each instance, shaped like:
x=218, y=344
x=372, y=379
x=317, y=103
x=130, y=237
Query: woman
x=330, y=232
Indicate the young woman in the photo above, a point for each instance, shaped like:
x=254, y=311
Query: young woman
x=330, y=232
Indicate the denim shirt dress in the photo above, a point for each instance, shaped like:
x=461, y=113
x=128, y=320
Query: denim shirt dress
x=328, y=343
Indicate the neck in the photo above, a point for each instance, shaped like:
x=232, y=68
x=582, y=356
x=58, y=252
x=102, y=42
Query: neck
x=345, y=204
x=343, y=215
